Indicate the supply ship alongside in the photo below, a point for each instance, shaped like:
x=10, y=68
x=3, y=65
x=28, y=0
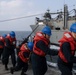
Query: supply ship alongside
x=58, y=25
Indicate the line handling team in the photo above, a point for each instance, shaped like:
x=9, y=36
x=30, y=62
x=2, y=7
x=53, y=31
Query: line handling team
x=35, y=51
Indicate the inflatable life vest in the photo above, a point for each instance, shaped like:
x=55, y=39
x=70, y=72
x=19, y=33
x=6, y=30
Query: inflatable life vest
x=39, y=36
x=2, y=41
x=12, y=40
x=22, y=50
x=67, y=37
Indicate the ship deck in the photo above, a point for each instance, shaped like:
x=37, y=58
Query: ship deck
x=50, y=71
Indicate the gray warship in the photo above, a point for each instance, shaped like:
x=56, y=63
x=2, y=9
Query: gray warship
x=59, y=24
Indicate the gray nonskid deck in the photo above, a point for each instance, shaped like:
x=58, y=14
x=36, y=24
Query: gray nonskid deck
x=51, y=70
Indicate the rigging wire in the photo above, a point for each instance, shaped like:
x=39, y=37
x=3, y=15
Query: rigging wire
x=19, y=18
x=27, y=17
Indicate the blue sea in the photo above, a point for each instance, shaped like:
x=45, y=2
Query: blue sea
x=20, y=35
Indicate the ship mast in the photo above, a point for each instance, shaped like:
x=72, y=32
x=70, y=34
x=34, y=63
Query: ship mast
x=75, y=14
x=65, y=16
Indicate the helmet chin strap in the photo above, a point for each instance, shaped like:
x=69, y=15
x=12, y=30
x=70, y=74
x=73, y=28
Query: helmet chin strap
x=44, y=35
x=74, y=35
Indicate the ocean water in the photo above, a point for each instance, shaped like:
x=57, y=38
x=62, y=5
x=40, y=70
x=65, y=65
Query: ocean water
x=20, y=35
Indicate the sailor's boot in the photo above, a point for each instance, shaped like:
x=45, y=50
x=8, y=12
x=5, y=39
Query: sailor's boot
x=11, y=70
x=22, y=73
x=6, y=67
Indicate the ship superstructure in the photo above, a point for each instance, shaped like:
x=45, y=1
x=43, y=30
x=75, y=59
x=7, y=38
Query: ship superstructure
x=58, y=25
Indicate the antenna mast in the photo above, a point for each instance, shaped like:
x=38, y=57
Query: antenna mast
x=65, y=16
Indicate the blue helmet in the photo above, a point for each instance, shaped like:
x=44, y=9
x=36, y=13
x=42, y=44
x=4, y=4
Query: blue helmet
x=30, y=45
x=4, y=35
x=46, y=30
x=12, y=34
x=73, y=27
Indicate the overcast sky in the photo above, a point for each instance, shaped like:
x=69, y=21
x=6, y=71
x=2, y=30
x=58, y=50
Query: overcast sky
x=11, y=9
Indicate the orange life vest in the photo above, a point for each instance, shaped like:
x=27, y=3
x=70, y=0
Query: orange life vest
x=12, y=40
x=67, y=37
x=3, y=41
x=22, y=50
x=39, y=36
